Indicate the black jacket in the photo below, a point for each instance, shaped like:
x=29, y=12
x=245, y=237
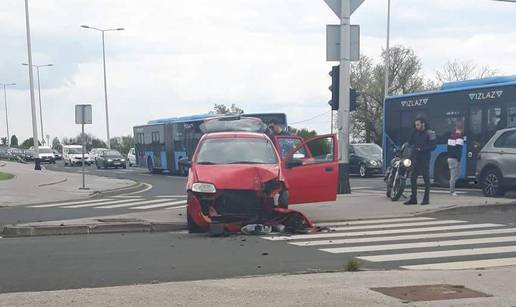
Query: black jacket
x=455, y=144
x=423, y=143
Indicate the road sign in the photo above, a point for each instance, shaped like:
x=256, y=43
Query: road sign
x=336, y=5
x=333, y=43
x=83, y=114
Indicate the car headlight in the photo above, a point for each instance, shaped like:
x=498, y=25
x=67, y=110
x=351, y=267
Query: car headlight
x=123, y=160
x=407, y=162
x=204, y=187
x=109, y=160
x=373, y=163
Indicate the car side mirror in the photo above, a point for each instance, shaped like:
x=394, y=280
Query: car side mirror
x=294, y=163
x=298, y=156
x=185, y=162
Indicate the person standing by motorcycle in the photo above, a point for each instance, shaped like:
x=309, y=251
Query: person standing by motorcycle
x=423, y=141
x=455, y=144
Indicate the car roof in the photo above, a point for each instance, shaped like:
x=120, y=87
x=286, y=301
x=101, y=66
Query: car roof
x=234, y=134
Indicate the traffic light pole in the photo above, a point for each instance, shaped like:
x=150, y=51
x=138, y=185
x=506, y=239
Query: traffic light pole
x=344, y=98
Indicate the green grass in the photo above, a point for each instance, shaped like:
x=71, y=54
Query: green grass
x=352, y=265
x=5, y=176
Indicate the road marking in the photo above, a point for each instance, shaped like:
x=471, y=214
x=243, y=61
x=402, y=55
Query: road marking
x=415, y=224
x=137, y=203
x=379, y=232
x=405, y=237
x=441, y=254
x=181, y=202
x=101, y=203
x=68, y=203
x=127, y=196
x=385, y=247
x=149, y=186
x=379, y=221
x=172, y=196
x=463, y=265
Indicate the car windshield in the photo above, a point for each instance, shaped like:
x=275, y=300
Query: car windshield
x=368, y=150
x=112, y=153
x=237, y=151
x=75, y=151
x=45, y=150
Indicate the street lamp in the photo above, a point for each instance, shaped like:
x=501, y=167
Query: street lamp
x=39, y=98
x=37, y=165
x=5, y=103
x=105, y=82
x=387, y=51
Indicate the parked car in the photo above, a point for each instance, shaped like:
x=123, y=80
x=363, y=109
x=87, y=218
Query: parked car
x=237, y=176
x=110, y=158
x=46, y=154
x=3, y=153
x=57, y=155
x=131, y=157
x=15, y=154
x=28, y=155
x=72, y=155
x=496, y=164
x=365, y=159
x=94, y=153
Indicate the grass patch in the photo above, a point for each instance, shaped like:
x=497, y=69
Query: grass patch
x=352, y=265
x=5, y=176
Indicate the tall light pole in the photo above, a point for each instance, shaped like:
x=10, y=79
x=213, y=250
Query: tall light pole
x=103, y=31
x=5, y=104
x=37, y=165
x=387, y=52
x=39, y=98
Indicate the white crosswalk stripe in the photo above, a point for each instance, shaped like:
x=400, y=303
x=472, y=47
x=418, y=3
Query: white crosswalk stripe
x=130, y=203
x=167, y=204
x=66, y=203
x=414, y=243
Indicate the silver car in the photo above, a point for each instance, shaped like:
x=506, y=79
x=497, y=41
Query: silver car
x=496, y=165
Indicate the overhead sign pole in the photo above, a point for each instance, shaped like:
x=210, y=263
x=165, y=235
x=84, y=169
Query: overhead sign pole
x=83, y=116
x=343, y=9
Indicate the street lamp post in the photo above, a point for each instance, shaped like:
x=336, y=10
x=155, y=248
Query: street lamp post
x=103, y=31
x=387, y=51
x=5, y=104
x=39, y=98
x=37, y=165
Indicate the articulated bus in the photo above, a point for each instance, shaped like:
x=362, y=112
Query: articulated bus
x=161, y=145
x=484, y=105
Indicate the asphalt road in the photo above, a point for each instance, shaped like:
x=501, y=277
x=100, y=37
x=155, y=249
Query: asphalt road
x=462, y=237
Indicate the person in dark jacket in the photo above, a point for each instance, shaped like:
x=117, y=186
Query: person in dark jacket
x=455, y=144
x=423, y=142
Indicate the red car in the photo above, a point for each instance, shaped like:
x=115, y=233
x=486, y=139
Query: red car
x=239, y=177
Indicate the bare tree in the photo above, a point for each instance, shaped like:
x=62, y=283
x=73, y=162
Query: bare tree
x=223, y=109
x=463, y=70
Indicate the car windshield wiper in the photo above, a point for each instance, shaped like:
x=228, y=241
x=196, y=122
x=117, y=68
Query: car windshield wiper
x=245, y=162
x=206, y=163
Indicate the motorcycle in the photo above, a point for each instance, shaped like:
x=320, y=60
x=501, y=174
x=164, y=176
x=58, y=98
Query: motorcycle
x=398, y=172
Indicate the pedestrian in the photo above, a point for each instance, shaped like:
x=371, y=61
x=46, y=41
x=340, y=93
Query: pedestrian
x=455, y=144
x=275, y=128
x=423, y=142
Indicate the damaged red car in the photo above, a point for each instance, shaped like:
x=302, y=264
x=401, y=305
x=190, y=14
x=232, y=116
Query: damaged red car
x=241, y=176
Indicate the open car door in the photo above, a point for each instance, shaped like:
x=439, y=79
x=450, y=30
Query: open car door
x=311, y=170
x=285, y=144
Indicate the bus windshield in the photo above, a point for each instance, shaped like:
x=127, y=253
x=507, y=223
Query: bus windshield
x=237, y=151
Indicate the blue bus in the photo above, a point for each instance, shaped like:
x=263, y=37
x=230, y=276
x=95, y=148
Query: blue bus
x=163, y=144
x=484, y=105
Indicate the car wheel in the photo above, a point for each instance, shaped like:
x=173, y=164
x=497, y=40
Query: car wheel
x=442, y=172
x=192, y=226
x=491, y=182
x=124, y=166
x=363, y=170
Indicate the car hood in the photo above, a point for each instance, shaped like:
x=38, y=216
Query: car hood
x=236, y=177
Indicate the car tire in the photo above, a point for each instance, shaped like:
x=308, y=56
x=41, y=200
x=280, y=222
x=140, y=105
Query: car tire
x=192, y=226
x=442, y=172
x=491, y=183
x=124, y=166
x=362, y=170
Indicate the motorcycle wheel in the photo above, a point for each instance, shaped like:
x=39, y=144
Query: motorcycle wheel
x=389, y=185
x=397, y=189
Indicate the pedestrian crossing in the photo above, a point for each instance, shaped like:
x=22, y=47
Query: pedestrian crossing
x=131, y=203
x=414, y=243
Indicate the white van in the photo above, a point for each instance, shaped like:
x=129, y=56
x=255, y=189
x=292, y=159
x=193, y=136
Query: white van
x=72, y=155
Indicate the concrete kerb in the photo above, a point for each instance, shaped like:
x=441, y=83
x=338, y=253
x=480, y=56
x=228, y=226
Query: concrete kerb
x=53, y=183
x=12, y=231
x=136, y=187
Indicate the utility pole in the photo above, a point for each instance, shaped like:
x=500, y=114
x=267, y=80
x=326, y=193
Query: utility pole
x=6, y=116
x=343, y=46
x=37, y=165
x=387, y=52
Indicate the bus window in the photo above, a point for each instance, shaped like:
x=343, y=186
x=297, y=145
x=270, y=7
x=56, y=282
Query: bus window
x=511, y=118
x=475, y=121
x=494, y=120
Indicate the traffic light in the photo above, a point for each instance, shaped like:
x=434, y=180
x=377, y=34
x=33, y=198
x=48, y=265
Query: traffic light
x=334, y=87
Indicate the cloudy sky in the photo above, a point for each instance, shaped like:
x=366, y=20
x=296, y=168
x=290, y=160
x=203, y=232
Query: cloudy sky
x=180, y=57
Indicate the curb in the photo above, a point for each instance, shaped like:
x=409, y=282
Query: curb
x=137, y=186
x=53, y=183
x=13, y=231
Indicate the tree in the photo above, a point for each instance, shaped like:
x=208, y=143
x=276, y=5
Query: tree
x=463, y=70
x=28, y=143
x=14, y=140
x=4, y=141
x=56, y=144
x=89, y=140
x=122, y=144
x=367, y=77
x=223, y=109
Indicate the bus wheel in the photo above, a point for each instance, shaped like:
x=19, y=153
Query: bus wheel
x=442, y=172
